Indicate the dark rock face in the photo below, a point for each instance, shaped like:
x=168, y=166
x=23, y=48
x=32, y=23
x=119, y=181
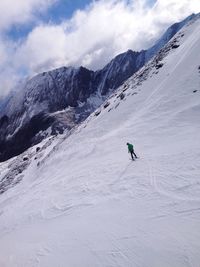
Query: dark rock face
x=61, y=98
x=119, y=70
x=25, y=137
x=4, y=121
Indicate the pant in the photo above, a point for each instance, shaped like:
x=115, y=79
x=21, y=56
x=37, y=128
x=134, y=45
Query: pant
x=133, y=153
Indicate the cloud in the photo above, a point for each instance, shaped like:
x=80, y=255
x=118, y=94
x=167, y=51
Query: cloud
x=44, y=48
x=7, y=73
x=95, y=35
x=20, y=11
x=14, y=13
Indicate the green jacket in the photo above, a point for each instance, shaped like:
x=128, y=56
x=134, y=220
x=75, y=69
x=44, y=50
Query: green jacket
x=130, y=147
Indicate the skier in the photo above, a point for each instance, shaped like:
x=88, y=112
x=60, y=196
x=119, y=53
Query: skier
x=131, y=150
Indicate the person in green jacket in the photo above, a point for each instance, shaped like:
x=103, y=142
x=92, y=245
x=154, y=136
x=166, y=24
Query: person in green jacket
x=131, y=150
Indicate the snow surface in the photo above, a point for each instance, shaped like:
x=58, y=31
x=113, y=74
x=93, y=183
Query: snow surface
x=84, y=203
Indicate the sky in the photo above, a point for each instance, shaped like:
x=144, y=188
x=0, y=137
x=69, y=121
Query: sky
x=39, y=35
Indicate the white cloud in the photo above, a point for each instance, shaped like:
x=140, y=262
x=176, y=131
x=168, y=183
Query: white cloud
x=44, y=48
x=3, y=54
x=14, y=13
x=20, y=11
x=8, y=74
x=95, y=35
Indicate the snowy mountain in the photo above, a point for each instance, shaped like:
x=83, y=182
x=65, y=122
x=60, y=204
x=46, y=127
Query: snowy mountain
x=79, y=200
x=60, y=99
x=170, y=32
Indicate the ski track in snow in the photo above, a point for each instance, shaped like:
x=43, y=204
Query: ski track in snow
x=160, y=186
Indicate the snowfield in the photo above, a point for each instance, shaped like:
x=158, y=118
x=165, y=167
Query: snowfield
x=84, y=203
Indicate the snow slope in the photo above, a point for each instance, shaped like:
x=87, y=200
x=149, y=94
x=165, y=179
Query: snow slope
x=84, y=203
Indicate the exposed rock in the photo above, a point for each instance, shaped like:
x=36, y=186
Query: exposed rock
x=25, y=158
x=174, y=46
x=159, y=65
x=106, y=104
x=97, y=112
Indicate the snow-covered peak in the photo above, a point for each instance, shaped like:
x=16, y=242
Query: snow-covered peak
x=169, y=33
